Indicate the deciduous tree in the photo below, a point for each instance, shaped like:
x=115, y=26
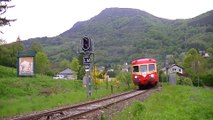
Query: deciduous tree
x=3, y=8
x=64, y=64
x=37, y=47
x=42, y=63
x=194, y=64
x=75, y=65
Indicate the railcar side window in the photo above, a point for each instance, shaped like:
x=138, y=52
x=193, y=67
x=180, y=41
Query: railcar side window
x=143, y=68
x=135, y=69
x=151, y=67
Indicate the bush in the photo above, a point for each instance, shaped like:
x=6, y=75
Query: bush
x=207, y=79
x=197, y=80
x=184, y=81
x=162, y=77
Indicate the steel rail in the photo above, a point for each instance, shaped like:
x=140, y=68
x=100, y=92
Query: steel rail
x=87, y=111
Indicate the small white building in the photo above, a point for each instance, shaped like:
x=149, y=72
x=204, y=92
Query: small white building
x=66, y=74
x=175, y=69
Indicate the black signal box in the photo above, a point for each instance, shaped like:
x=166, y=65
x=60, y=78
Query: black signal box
x=86, y=44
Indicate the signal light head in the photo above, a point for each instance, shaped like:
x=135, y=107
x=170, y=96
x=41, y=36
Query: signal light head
x=86, y=44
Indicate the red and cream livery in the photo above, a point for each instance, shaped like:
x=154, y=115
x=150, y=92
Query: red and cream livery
x=144, y=72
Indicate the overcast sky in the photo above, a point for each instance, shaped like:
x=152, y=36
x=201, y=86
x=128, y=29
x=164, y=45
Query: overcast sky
x=39, y=18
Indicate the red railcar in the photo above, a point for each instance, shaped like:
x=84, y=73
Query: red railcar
x=144, y=72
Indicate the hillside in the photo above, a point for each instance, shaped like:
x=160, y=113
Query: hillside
x=122, y=35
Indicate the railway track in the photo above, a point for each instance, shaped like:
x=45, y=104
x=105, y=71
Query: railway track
x=89, y=110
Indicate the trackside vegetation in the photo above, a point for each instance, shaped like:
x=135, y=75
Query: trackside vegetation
x=21, y=95
x=172, y=103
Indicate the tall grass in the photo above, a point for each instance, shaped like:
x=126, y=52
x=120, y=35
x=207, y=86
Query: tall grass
x=172, y=103
x=7, y=72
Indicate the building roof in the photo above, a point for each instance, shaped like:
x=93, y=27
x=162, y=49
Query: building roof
x=66, y=72
x=175, y=65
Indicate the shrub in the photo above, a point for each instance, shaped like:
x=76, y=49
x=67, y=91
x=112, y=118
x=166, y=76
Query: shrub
x=162, y=77
x=184, y=81
x=207, y=79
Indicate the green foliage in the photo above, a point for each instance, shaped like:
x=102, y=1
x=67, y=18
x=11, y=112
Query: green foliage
x=75, y=65
x=64, y=64
x=184, y=81
x=125, y=78
x=42, y=63
x=81, y=71
x=8, y=53
x=36, y=47
x=210, y=50
x=207, y=79
x=198, y=68
x=194, y=63
x=172, y=102
x=162, y=77
x=7, y=72
x=137, y=108
x=25, y=94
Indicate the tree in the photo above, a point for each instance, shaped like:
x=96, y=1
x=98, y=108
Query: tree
x=37, y=47
x=210, y=50
x=8, y=53
x=2, y=41
x=194, y=64
x=75, y=65
x=64, y=64
x=3, y=9
x=81, y=71
x=42, y=63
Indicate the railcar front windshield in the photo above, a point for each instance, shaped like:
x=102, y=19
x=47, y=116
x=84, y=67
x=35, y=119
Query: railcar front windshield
x=143, y=68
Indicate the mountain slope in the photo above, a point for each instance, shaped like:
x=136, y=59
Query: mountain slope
x=122, y=35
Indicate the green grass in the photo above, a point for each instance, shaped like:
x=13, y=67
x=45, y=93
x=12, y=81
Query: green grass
x=7, y=72
x=21, y=95
x=172, y=103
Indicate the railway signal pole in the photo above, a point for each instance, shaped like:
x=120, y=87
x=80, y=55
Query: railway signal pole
x=87, y=50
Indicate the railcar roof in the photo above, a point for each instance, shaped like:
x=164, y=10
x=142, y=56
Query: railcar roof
x=143, y=61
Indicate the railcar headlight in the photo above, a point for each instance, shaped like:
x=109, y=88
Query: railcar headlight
x=152, y=75
x=136, y=77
